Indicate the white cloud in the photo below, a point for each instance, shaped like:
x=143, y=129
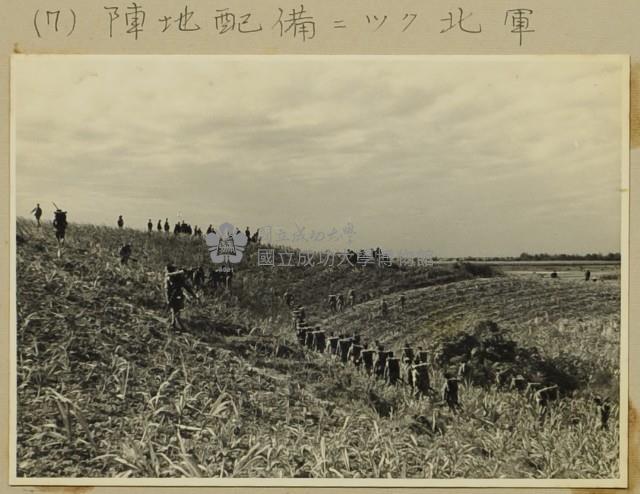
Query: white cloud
x=459, y=155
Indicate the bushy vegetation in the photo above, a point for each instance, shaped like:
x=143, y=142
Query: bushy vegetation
x=106, y=388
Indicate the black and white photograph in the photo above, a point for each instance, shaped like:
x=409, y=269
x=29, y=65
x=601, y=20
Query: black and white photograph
x=319, y=270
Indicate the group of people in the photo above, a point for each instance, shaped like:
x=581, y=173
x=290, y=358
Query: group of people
x=181, y=227
x=59, y=221
x=59, y=224
x=411, y=367
x=337, y=303
x=182, y=284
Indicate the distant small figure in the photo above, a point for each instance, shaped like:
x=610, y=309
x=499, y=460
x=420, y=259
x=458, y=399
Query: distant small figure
x=332, y=344
x=210, y=230
x=450, y=394
x=392, y=370
x=403, y=301
x=125, y=253
x=288, y=298
x=407, y=354
x=319, y=340
x=384, y=309
x=367, y=358
x=420, y=379
x=177, y=229
x=60, y=225
x=332, y=301
x=255, y=238
x=301, y=333
x=228, y=279
x=167, y=227
x=604, y=410
x=381, y=360
x=159, y=227
x=247, y=232
x=175, y=288
x=340, y=302
x=501, y=377
x=587, y=275
x=355, y=352
x=422, y=356
x=37, y=212
x=198, y=277
x=150, y=226
x=344, y=345
x=351, y=298
x=120, y=222
x=308, y=341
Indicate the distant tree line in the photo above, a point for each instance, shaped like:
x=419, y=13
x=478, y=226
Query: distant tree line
x=525, y=256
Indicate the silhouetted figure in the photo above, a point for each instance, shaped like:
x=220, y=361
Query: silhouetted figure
x=604, y=410
x=351, y=297
x=450, y=394
x=228, y=279
x=198, y=277
x=60, y=225
x=587, y=275
x=159, y=227
x=176, y=285
x=120, y=222
x=150, y=226
x=392, y=370
x=37, y=212
x=247, y=232
x=332, y=301
x=125, y=253
x=381, y=361
x=167, y=227
x=210, y=230
x=407, y=354
x=384, y=309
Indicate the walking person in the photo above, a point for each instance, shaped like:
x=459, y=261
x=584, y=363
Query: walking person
x=37, y=212
x=176, y=289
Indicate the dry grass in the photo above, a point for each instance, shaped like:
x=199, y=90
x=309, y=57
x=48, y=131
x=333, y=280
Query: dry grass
x=106, y=389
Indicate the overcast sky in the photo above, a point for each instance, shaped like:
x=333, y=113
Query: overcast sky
x=461, y=156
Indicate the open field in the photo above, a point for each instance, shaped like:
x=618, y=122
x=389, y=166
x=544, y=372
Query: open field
x=105, y=387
